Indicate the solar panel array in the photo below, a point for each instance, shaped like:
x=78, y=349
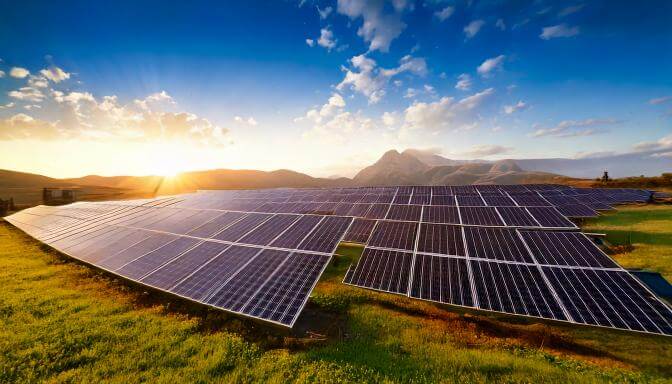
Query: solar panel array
x=259, y=253
x=261, y=265
x=552, y=274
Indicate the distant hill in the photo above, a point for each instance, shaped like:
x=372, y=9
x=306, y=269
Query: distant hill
x=418, y=167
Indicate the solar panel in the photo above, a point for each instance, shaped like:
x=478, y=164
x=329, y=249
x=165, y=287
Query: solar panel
x=480, y=216
x=359, y=231
x=394, y=235
x=382, y=270
x=576, y=210
x=441, y=239
x=550, y=217
x=496, y=244
x=441, y=279
x=404, y=212
x=609, y=298
x=565, y=248
x=514, y=288
x=498, y=201
x=469, y=201
x=440, y=214
x=517, y=217
x=264, y=256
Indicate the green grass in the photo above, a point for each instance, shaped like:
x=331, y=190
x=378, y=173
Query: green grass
x=648, y=229
x=64, y=322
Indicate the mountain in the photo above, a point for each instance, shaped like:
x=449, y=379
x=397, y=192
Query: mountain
x=420, y=167
x=393, y=168
x=619, y=165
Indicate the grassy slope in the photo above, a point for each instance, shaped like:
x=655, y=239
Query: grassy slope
x=649, y=230
x=61, y=321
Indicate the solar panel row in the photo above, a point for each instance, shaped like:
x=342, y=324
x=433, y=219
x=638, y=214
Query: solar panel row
x=255, y=264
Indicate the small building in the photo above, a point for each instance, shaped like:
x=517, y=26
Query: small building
x=6, y=206
x=58, y=196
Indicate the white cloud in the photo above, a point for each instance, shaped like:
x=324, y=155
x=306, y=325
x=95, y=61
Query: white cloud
x=378, y=28
x=663, y=154
x=500, y=24
x=414, y=65
x=334, y=105
x=664, y=143
x=82, y=116
x=324, y=13
x=326, y=39
x=446, y=113
x=472, y=28
x=560, y=30
x=491, y=65
x=519, y=106
x=38, y=82
x=332, y=124
x=569, y=10
x=8, y=105
x=249, y=121
x=27, y=94
x=444, y=14
x=310, y=42
x=2, y=74
x=55, y=74
x=389, y=118
x=574, y=128
x=371, y=81
x=660, y=100
x=22, y=126
x=411, y=93
x=155, y=98
x=486, y=150
x=463, y=82
x=19, y=72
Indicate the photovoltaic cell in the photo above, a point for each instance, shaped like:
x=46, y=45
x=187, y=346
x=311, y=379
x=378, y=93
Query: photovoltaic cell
x=208, y=229
x=565, y=248
x=265, y=233
x=469, y=201
x=443, y=200
x=382, y=270
x=610, y=299
x=147, y=263
x=235, y=294
x=171, y=273
x=394, y=234
x=550, y=217
x=576, y=210
x=480, y=216
x=441, y=279
x=517, y=217
x=297, y=232
x=359, y=231
x=440, y=214
x=205, y=281
x=496, y=244
x=498, y=201
x=326, y=235
x=441, y=239
x=514, y=288
x=282, y=297
x=404, y=212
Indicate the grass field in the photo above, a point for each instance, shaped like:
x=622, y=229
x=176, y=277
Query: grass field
x=65, y=322
x=642, y=233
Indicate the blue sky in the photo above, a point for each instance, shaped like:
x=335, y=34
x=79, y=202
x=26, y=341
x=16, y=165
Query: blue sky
x=326, y=87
